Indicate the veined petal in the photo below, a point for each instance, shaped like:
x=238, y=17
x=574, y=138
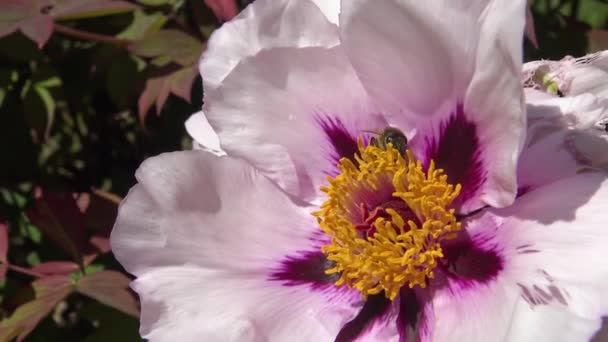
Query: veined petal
x=549, y=248
x=187, y=303
x=569, y=76
x=293, y=113
x=452, y=85
x=559, y=229
x=205, y=229
x=216, y=212
x=263, y=25
x=573, y=124
x=549, y=323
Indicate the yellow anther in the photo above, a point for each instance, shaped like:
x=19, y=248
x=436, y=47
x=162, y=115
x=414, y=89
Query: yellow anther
x=398, y=252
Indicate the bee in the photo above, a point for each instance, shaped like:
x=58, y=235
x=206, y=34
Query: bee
x=393, y=136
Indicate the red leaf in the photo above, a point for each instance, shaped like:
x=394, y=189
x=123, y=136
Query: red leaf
x=60, y=219
x=56, y=267
x=224, y=10
x=25, y=15
x=181, y=82
x=38, y=28
x=158, y=89
x=102, y=244
x=48, y=292
x=148, y=96
x=3, y=241
x=110, y=288
x=101, y=212
x=3, y=249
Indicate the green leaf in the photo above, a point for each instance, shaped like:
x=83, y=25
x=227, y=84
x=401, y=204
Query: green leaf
x=143, y=24
x=48, y=292
x=157, y=2
x=93, y=268
x=178, y=46
x=110, y=288
x=594, y=13
x=79, y=9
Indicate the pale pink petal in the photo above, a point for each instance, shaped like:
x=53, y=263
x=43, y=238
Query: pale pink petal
x=562, y=227
x=562, y=138
x=293, y=113
x=215, y=245
x=495, y=101
x=589, y=75
x=580, y=121
x=549, y=323
x=191, y=304
x=405, y=52
x=263, y=25
x=547, y=250
x=195, y=208
x=545, y=161
x=447, y=73
x=569, y=76
x=203, y=134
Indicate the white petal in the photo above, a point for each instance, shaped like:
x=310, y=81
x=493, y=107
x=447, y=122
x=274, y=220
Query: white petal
x=549, y=323
x=588, y=75
x=571, y=76
x=546, y=161
x=203, y=134
x=196, y=208
x=331, y=9
x=404, y=52
x=580, y=120
x=292, y=113
x=422, y=60
x=263, y=25
x=187, y=303
x=211, y=242
x=494, y=98
x=550, y=245
x=562, y=227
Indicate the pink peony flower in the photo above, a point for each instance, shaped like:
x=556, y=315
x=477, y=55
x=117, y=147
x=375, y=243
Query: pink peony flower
x=570, y=98
x=370, y=189
x=569, y=76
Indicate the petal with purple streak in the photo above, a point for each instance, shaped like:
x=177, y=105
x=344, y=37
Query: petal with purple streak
x=374, y=309
x=305, y=268
x=411, y=321
x=457, y=150
x=470, y=261
x=343, y=142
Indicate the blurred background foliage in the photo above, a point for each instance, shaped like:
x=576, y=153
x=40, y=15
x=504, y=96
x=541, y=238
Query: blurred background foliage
x=88, y=90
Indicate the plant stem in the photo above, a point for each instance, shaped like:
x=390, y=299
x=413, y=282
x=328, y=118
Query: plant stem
x=75, y=33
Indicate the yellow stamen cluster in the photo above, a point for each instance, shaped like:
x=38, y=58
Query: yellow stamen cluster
x=399, y=252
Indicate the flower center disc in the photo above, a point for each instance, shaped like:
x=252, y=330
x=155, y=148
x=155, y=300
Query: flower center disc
x=386, y=217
